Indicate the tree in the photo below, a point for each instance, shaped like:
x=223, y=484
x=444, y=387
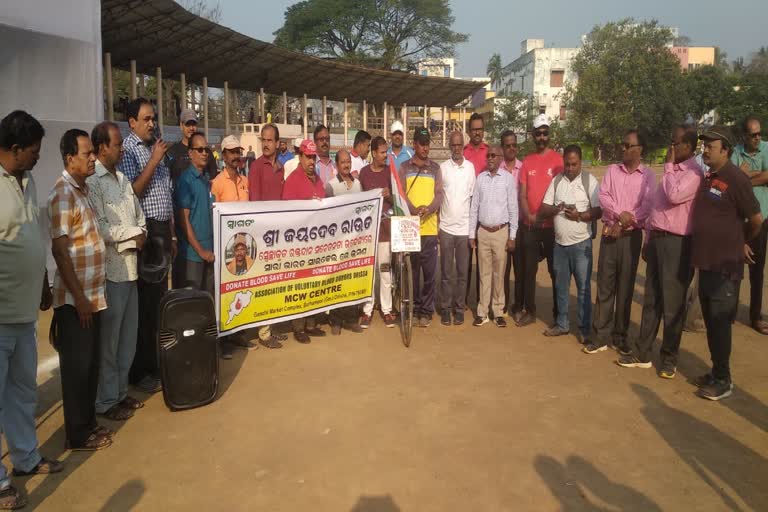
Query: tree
x=706, y=89
x=386, y=34
x=203, y=9
x=682, y=41
x=721, y=58
x=513, y=112
x=759, y=62
x=494, y=71
x=628, y=78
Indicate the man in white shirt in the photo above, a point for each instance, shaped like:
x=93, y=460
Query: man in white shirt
x=293, y=163
x=123, y=227
x=360, y=149
x=458, y=185
x=573, y=200
x=493, y=221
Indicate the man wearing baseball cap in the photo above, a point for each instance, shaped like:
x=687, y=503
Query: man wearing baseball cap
x=293, y=163
x=399, y=152
x=178, y=154
x=423, y=183
x=305, y=184
x=536, y=237
x=719, y=235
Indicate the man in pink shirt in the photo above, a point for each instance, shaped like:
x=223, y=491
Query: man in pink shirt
x=668, y=253
x=626, y=196
x=325, y=167
x=535, y=238
x=512, y=165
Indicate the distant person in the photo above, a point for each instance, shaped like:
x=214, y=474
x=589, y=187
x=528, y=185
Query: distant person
x=377, y=175
x=492, y=231
x=752, y=158
x=422, y=180
x=343, y=183
x=536, y=239
x=400, y=153
x=458, y=185
x=626, y=196
x=305, y=184
x=572, y=199
x=667, y=251
x=24, y=289
x=252, y=116
x=124, y=230
x=178, y=153
x=144, y=164
x=360, y=149
x=283, y=155
x=513, y=299
x=325, y=167
x=78, y=292
x=265, y=176
x=726, y=215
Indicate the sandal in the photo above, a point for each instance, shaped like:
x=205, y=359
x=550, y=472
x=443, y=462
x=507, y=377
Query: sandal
x=44, y=467
x=103, y=431
x=10, y=499
x=131, y=403
x=94, y=443
x=117, y=413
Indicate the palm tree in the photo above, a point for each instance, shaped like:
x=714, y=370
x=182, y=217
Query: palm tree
x=495, y=71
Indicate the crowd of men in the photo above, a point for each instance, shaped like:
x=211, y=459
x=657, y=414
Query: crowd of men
x=127, y=214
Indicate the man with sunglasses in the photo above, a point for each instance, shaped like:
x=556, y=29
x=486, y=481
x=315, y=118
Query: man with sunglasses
x=726, y=215
x=752, y=158
x=626, y=196
x=476, y=152
x=178, y=153
x=536, y=239
x=512, y=301
x=423, y=183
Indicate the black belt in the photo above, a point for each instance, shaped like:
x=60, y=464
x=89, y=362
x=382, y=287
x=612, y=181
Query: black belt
x=655, y=233
x=493, y=229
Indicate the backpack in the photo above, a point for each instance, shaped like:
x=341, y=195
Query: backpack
x=584, y=183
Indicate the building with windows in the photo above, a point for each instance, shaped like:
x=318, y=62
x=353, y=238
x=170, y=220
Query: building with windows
x=692, y=57
x=437, y=67
x=541, y=73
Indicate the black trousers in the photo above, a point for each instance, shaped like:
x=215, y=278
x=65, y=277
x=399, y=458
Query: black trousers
x=194, y=274
x=533, y=244
x=757, y=274
x=425, y=263
x=719, y=302
x=513, y=302
x=344, y=316
x=145, y=362
x=616, y=274
x=667, y=278
x=78, y=349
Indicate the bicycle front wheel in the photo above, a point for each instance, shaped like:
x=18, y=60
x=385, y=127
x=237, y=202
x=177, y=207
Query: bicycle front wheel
x=406, y=299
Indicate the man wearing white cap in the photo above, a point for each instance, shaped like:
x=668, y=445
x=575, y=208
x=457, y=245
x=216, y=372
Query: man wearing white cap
x=536, y=237
x=178, y=154
x=399, y=152
x=293, y=163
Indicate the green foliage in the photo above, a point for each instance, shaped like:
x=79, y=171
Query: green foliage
x=628, y=78
x=387, y=34
x=748, y=97
x=494, y=71
x=513, y=112
x=706, y=88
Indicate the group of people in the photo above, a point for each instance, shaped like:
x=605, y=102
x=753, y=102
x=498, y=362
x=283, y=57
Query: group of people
x=126, y=213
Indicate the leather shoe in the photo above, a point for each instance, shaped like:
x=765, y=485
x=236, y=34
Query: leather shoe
x=516, y=316
x=760, y=326
x=315, y=331
x=302, y=337
x=526, y=319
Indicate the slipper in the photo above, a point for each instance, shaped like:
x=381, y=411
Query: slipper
x=44, y=467
x=11, y=499
x=118, y=413
x=94, y=443
x=102, y=430
x=131, y=403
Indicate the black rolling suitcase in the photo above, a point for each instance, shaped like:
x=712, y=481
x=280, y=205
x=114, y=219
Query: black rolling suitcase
x=189, y=350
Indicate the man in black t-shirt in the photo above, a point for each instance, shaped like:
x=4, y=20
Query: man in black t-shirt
x=719, y=238
x=178, y=154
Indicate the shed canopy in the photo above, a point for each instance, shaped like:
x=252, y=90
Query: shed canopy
x=161, y=33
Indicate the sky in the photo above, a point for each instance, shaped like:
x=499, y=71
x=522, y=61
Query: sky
x=498, y=26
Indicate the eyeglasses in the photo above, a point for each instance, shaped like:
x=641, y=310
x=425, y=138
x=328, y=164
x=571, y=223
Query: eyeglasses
x=322, y=139
x=492, y=155
x=755, y=135
x=476, y=129
x=201, y=150
x=627, y=145
x=236, y=151
x=541, y=133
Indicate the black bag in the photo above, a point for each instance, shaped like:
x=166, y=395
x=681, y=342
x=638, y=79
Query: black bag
x=188, y=349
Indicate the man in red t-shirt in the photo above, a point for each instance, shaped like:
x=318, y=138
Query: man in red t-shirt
x=536, y=237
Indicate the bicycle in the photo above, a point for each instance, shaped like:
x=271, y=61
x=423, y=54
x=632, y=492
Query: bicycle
x=402, y=290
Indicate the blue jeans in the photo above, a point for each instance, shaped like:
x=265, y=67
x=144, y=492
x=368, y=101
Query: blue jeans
x=574, y=260
x=18, y=395
x=118, y=343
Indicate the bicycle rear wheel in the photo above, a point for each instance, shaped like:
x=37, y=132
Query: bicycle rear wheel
x=405, y=284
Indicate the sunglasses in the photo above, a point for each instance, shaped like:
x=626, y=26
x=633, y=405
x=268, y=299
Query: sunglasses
x=492, y=155
x=541, y=133
x=627, y=145
x=201, y=150
x=755, y=135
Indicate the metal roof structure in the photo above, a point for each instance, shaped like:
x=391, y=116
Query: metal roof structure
x=161, y=33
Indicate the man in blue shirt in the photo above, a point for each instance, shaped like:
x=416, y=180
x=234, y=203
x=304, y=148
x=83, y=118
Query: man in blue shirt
x=397, y=150
x=194, y=220
x=283, y=155
x=752, y=158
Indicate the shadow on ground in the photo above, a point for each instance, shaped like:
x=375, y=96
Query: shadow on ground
x=125, y=498
x=375, y=504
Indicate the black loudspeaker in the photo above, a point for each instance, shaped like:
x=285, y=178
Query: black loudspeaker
x=189, y=350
